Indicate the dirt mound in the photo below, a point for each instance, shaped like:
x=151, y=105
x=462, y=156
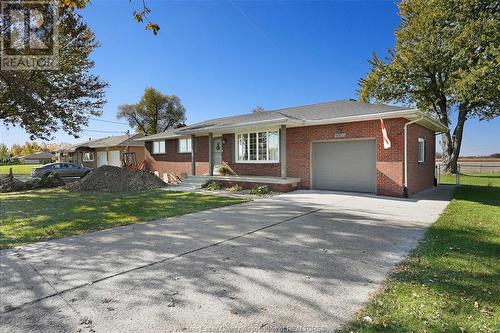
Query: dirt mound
x=48, y=180
x=10, y=184
x=113, y=179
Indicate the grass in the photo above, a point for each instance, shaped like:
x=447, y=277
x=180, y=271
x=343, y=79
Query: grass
x=33, y=216
x=480, y=179
x=18, y=169
x=451, y=282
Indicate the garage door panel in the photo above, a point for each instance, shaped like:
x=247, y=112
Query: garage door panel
x=114, y=159
x=344, y=165
x=102, y=158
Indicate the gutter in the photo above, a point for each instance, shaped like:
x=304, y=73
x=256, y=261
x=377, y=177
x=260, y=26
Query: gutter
x=372, y=116
x=405, y=189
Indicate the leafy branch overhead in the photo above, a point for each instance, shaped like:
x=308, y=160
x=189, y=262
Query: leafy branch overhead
x=140, y=16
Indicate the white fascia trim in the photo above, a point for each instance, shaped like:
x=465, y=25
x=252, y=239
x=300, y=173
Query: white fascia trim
x=373, y=116
x=385, y=115
x=279, y=121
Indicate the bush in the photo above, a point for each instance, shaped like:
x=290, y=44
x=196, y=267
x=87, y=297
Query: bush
x=10, y=161
x=213, y=186
x=235, y=188
x=260, y=190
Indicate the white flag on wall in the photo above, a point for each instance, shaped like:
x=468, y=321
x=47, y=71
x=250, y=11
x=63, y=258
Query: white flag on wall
x=387, y=142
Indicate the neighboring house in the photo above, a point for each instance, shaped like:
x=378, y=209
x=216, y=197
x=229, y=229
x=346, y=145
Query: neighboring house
x=331, y=146
x=37, y=158
x=104, y=151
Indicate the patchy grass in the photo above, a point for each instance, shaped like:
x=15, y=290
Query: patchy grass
x=481, y=179
x=33, y=216
x=451, y=282
x=18, y=169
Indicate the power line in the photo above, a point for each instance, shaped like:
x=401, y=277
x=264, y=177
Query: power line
x=108, y=121
x=122, y=132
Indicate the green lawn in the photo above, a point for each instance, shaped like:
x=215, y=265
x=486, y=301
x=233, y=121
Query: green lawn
x=18, y=169
x=451, y=282
x=481, y=179
x=46, y=214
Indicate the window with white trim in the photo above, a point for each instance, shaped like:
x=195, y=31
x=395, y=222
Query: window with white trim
x=158, y=147
x=185, y=145
x=258, y=147
x=88, y=156
x=421, y=150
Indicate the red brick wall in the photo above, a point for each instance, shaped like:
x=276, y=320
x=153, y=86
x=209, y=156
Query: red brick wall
x=420, y=175
x=246, y=169
x=389, y=162
x=299, y=140
x=178, y=163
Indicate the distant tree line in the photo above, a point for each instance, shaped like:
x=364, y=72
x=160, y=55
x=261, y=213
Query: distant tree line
x=494, y=155
x=29, y=147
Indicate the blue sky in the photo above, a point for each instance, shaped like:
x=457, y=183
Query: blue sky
x=226, y=57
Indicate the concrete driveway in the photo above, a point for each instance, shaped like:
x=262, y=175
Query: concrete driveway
x=303, y=261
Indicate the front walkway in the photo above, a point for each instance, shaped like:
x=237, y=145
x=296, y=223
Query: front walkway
x=303, y=260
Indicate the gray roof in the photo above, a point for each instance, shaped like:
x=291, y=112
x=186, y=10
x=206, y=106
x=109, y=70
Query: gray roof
x=298, y=116
x=119, y=140
x=234, y=120
x=337, y=109
x=36, y=156
x=320, y=111
x=110, y=141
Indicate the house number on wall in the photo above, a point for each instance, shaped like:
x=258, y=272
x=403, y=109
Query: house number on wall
x=217, y=147
x=339, y=132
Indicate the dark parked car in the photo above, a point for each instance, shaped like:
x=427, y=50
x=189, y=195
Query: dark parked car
x=63, y=169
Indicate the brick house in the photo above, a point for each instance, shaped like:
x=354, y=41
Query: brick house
x=331, y=146
x=104, y=151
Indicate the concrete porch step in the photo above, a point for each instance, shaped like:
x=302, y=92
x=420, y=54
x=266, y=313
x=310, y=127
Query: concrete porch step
x=191, y=183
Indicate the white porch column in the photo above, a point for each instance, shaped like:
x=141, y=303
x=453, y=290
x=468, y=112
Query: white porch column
x=193, y=159
x=283, y=151
x=210, y=161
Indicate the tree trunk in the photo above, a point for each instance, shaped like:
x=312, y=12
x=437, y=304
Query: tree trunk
x=452, y=144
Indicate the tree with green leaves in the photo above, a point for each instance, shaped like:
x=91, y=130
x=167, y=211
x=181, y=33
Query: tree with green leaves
x=4, y=152
x=154, y=113
x=43, y=101
x=446, y=61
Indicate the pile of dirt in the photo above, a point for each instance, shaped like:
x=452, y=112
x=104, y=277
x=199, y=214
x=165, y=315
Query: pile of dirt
x=10, y=184
x=48, y=180
x=113, y=179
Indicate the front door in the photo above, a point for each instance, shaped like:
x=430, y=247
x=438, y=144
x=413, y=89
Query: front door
x=217, y=151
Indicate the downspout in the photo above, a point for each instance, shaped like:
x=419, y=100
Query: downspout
x=405, y=189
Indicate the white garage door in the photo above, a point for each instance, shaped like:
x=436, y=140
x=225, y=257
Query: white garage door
x=102, y=158
x=344, y=166
x=114, y=158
